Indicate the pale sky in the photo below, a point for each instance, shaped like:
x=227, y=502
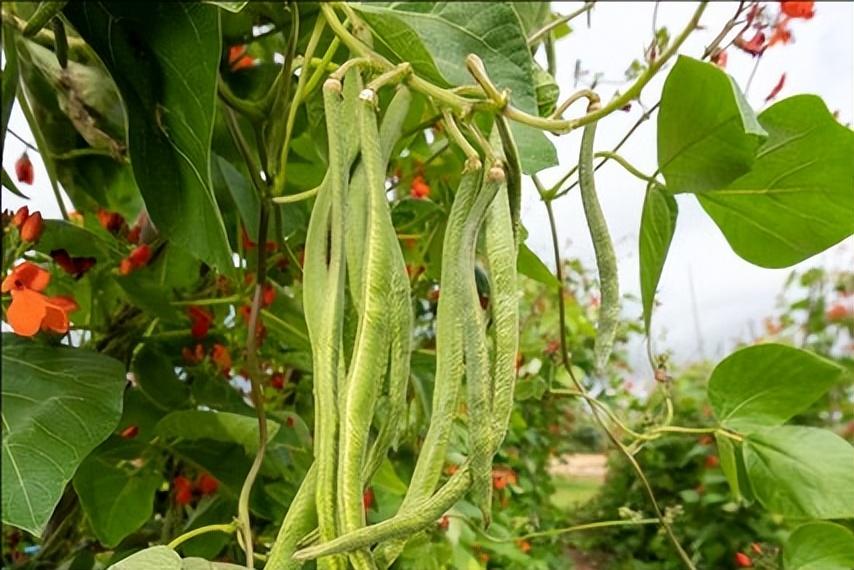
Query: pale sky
x=731, y=295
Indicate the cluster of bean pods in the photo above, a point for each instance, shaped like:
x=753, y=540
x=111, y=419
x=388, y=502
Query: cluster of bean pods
x=354, y=266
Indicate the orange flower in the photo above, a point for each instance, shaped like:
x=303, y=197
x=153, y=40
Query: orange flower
x=502, y=477
x=781, y=35
x=524, y=546
x=221, y=357
x=805, y=10
x=24, y=169
x=110, y=221
x=137, y=258
x=419, y=188
x=754, y=46
x=32, y=229
x=30, y=310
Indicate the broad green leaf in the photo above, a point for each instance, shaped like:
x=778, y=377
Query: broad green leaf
x=44, y=13
x=658, y=222
x=9, y=82
x=529, y=265
x=819, y=546
x=532, y=15
x=798, y=199
x=241, y=191
x=154, y=558
x=117, y=496
x=156, y=380
x=218, y=426
x=729, y=464
x=164, y=58
x=436, y=37
x=765, y=385
x=801, y=472
x=202, y=564
x=707, y=133
x=547, y=91
x=77, y=241
x=59, y=403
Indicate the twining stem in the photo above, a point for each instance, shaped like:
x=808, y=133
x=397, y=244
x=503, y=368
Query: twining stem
x=589, y=94
x=226, y=528
x=560, y=126
x=567, y=364
x=625, y=164
x=569, y=529
x=456, y=135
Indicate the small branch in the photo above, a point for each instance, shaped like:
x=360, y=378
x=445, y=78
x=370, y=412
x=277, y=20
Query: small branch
x=625, y=164
x=535, y=37
x=567, y=530
x=291, y=198
x=589, y=94
x=472, y=156
x=29, y=146
x=226, y=528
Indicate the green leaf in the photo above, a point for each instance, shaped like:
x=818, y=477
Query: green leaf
x=164, y=58
x=58, y=404
x=202, y=564
x=218, y=426
x=765, y=385
x=77, y=241
x=154, y=558
x=245, y=198
x=707, y=133
x=44, y=13
x=156, y=380
x=547, y=91
x=436, y=37
x=10, y=186
x=801, y=472
x=10, y=81
x=529, y=265
x=729, y=464
x=819, y=546
x=798, y=199
x=658, y=222
x=117, y=497
x=532, y=15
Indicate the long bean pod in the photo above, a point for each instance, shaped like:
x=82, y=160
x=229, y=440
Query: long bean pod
x=606, y=260
x=299, y=521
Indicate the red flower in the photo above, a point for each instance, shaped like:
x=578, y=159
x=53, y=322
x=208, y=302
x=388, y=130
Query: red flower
x=524, y=546
x=110, y=221
x=419, y=189
x=754, y=46
x=837, y=312
x=712, y=461
x=720, y=59
x=368, y=498
x=777, y=88
x=201, y=320
x=755, y=547
x=32, y=229
x=24, y=169
x=193, y=355
x=20, y=217
x=742, y=560
x=30, y=310
x=249, y=244
x=277, y=380
x=221, y=357
x=75, y=266
x=137, y=258
x=134, y=233
x=268, y=295
x=237, y=58
x=805, y=10
x=183, y=490
x=130, y=432
x=502, y=477
x=207, y=484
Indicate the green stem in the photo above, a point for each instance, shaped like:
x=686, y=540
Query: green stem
x=209, y=301
x=625, y=164
x=535, y=37
x=570, y=529
x=299, y=197
x=561, y=126
x=454, y=133
x=252, y=110
x=226, y=528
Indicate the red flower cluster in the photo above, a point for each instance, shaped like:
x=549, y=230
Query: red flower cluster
x=74, y=266
x=205, y=484
x=139, y=257
x=419, y=188
x=780, y=32
x=237, y=58
x=201, y=320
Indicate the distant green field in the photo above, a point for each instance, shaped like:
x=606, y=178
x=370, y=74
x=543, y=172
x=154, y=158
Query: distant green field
x=572, y=492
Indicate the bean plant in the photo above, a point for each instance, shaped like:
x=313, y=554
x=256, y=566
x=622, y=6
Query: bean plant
x=278, y=324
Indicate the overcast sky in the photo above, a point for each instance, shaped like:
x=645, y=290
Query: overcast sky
x=730, y=294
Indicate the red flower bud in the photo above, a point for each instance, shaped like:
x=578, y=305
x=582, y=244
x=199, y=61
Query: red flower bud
x=32, y=229
x=419, y=189
x=24, y=169
x=277, y=380
x=140, y=256
x=183, y=490
x=110, y=221
x=207, y=484
x=130, y=432
x=201, y=320
x=20, y=217
x=742, y=560
x=368, y=498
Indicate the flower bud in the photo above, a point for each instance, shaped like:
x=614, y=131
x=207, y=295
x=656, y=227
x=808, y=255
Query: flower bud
x=32, y=229
x=24, y=169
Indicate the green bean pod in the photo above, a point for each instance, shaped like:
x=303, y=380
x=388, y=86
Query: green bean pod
x=606, y=260
x=402, y=525
x=299, y=521
x=323, y=296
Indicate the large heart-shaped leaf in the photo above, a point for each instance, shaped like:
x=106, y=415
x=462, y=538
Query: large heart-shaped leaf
x=529, y=265
x=801, y=472
x=58, y=404
x=798, y=199
x=164, y=558
x=164, y=58
x=436, y=37
x=658, y=222
x=218, y=426
x=116, y=495
x=819, y=546
x=765, y=385
x=707, y=132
